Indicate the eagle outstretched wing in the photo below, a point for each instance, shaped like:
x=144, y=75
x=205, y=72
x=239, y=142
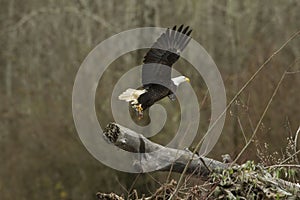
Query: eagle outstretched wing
x=163, y=54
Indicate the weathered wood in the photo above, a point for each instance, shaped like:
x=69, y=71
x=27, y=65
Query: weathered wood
x=228, y=179
x=171, y=159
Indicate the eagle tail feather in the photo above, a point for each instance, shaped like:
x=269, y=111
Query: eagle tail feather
x=131, y=95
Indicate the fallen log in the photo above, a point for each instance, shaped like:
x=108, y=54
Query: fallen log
x=238, y=181
x=172, y=159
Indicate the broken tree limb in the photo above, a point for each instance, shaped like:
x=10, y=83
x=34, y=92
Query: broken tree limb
x=154, y=156
x=246, y=180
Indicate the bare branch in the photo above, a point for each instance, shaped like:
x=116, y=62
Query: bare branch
x=201, y=167
x=260, y=120
x=175, y=159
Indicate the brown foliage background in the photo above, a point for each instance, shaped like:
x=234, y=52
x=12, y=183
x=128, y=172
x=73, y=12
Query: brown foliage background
x=42, y=44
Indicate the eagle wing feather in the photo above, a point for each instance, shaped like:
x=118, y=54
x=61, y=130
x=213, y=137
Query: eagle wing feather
x=163, y=54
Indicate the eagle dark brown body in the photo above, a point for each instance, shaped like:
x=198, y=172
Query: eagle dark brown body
x=156, y=70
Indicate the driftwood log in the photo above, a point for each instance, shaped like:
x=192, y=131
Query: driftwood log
x=131, y=141
x=245, y=181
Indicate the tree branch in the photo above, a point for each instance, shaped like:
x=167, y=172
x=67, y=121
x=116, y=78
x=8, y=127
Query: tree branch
x=229, y=178
x=172, y=159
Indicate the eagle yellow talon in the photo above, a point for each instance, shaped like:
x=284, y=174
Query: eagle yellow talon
x=152, y=91
x=139, y=109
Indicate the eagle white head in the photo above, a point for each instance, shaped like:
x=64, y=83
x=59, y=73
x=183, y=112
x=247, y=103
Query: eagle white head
x=180, y=79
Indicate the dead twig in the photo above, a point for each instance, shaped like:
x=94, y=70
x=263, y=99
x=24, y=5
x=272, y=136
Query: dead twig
x=233, y=100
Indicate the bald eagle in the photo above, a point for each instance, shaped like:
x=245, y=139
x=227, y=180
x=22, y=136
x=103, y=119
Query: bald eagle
x=156, y=70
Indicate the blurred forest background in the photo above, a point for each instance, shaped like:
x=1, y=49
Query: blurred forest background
x=43, y=43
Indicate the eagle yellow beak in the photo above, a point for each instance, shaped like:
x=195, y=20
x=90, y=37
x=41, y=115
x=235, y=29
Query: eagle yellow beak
x=187, y=79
